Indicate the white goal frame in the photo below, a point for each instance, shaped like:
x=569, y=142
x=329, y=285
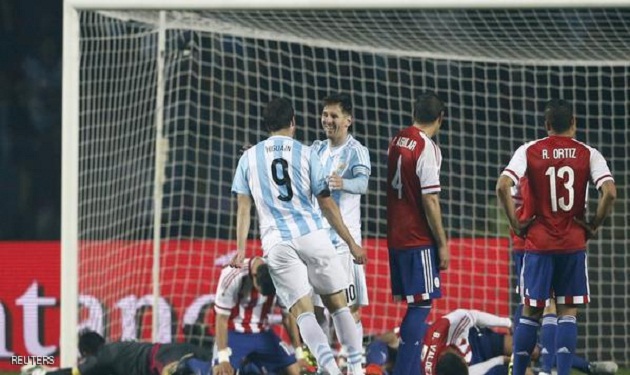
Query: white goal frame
x=71, y=102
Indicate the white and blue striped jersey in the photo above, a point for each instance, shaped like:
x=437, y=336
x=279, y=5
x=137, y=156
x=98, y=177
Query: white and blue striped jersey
x=349, y=160
x=281, y=175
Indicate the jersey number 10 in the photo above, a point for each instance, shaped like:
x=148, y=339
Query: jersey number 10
x=565, y=203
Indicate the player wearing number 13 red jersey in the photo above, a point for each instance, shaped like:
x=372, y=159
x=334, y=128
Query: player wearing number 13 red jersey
x=558, y=170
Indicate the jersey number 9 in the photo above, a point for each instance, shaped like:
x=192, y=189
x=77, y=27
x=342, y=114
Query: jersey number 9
x=284, y=179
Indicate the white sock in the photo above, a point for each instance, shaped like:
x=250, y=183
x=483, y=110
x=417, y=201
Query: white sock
x=360, y=330
x=317, y=342
x=349, y=337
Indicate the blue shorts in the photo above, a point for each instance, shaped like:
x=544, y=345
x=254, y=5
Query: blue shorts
x=485, y=344
x=563, y=276
x=264, y=349
x=414, y=274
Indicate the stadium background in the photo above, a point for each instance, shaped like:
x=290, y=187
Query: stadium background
x=30, y=143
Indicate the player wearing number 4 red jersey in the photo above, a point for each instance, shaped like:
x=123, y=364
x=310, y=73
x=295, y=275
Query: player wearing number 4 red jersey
x=558, y=170
x=415, y=235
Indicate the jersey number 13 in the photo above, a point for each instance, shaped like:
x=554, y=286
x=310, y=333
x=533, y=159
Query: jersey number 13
x=565, y=173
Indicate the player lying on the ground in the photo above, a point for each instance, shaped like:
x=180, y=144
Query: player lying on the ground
x=244, y=298
x=485, y=345
x=133, y=358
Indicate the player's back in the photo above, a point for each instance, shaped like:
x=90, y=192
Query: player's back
x=409, y=151
x=282, y=176
x=120, y=358
x=558, y=170
x=236, y=295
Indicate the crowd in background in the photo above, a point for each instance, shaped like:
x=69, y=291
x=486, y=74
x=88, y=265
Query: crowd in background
x=30, y=119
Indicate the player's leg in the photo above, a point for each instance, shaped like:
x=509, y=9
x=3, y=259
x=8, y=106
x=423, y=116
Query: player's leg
x=535, y=286
x=570, y=283
x=324, y=268
x=415, y=279
x=360, y=284
x=290, y=276
x=548, y=338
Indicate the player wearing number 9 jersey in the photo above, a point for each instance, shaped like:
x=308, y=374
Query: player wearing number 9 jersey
x=415, y=235
x=558, y=169
x=281, y=175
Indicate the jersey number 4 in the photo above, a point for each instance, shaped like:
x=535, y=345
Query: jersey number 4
x=281, y=165
x=396, y=180
x=565, y=173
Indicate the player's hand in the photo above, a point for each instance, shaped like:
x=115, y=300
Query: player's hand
x=335, y=182
x=359, y=254
x=246, y=147
x=237, y=260
x=223, y=368
x=520, y=227
x=591, y=230
x=444, y=256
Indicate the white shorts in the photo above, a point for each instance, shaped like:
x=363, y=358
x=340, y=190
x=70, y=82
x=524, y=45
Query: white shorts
x=356, y=292
x=305, y=265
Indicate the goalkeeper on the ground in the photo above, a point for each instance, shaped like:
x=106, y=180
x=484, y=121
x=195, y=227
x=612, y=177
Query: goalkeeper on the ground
x=131, y=358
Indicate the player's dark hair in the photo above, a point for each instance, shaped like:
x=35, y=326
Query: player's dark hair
x=90, y=342
x=451, y=364
x=263, y=279
x=344, y=101
x=428, y=108
x=278, y=114
x=558, y=113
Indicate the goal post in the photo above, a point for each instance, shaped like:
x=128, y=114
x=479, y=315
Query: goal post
x=159, y=96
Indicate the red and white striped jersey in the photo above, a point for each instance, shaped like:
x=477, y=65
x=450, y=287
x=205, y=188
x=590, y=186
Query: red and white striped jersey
x=451, y=331
x=236, y=296
x=558, y=171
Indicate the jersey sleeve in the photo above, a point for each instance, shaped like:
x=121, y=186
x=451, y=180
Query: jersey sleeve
x=360, y=162
x=599, y=169
x=517, y=166
x=227, y=290
x=240, y=185
x=316, y=174
x=428, y=168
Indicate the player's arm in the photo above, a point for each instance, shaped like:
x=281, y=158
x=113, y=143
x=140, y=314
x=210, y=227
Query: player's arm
x=222, y=366
x=607, y=197
x=330, y=210
x=360, y=167
x=433, y=211
x=601, y=176
x=508, y=178
x=504, y=194
x=428, y=172
x=243, y=222
x=483, y=367
x=484, y=319
x=333, y=215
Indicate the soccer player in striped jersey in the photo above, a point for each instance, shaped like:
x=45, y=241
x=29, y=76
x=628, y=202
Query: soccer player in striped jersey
x=347, y=167
x=244, y=298
x=453, y=333
x=415, y=235
x=558, y=169
x=281, y=175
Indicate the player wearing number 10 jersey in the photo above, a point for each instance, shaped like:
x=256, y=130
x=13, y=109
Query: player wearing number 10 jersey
x=415, y=236
x=558, y=169
x=281, y=175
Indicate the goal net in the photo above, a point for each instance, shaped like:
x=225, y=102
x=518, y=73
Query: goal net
x=168, y=98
